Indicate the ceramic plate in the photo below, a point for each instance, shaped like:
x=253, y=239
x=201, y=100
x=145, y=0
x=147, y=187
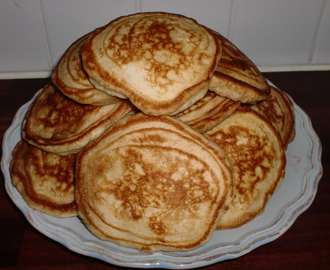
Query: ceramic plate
x=303, y=172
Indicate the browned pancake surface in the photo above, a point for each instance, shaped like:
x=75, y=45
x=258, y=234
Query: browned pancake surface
x=160, y=61
x=70, y=77
x=45, y=181
x=258, y=158
x=278, y=109
x=153, y=183
x=237, y=77
x=208, y=112
x=61, y=126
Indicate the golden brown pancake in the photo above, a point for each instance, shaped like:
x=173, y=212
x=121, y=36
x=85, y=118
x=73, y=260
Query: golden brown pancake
x=57, y=124
x=153, y=183
x=70, y=77
x=237, y=77
x=278, y=109
x=208, y=112
x=291, y=106
x=257, y=154
x=45, y=181
x=160, y=61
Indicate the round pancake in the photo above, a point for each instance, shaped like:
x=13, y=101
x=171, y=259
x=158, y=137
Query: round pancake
x=158, y=60
x=153, y=183
x=237, y=77
x=208, y=112
x=70, y=77
x=257, y=154
x=45, y=181
x=278, y=109
x=57, y=124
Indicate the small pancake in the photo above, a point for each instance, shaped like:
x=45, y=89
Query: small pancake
x=208, y=112
x=153, y=183
x=45, y=181
x=237, y=77
x=57, y=124
x=257, y=154
x=70, y=77
x=278, y=109
x=158, y=60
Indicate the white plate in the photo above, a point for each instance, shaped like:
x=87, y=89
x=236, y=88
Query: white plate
x=303, y=172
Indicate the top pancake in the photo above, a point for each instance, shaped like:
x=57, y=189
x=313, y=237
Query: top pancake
x=237, y=77
x=70, y=77
x=57, y=124
x=158, y=60
x=257, y=154
x=153, y=183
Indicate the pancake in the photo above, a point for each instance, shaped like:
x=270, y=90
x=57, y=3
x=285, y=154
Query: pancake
x=237, y=77
x=291, y=106
x=278, y=109
x=208, y=112
x=70, y=77
x=57, y=124
x=153, y=183
x=160, y=61
x=257, y=154
x=45, y=181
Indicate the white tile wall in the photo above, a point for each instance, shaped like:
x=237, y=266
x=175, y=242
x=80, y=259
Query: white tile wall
x=279, y=32
x=274, y=33
x=22, y=37
x=66, y=21
x=212, y=13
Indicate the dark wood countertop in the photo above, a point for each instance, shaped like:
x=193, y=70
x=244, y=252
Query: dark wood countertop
x=306, y=245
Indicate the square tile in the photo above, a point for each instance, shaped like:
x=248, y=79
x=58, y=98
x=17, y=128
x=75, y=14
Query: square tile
x=23, y=45
x=277, y=32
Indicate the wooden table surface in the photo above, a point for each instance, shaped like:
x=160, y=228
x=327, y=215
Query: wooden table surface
x=306, y=245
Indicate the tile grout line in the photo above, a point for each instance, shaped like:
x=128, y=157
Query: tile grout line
x=45, y=35
x=137, y=6
x=317, y=33
x=232, y=19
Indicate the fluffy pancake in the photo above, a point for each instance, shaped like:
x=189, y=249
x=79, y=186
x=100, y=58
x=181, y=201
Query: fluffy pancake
x=153, y=183
x=45, y=181
x=208, y=112
x=237, y=77
x=257, y=154
x=70, y=77
x=278, y=109
x=58, y=125
x=160, y=61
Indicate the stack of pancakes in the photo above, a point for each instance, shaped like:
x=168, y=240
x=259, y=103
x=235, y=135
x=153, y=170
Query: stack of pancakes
x=156, y=131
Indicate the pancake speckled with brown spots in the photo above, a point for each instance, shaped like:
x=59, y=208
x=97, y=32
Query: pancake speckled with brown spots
x=70, y=77
x=162, y=62
x=278, y=109
x=257, y=154
x=237, y=77
x=45, y=181
x=208, y=112
x=57, y=124
x=153, y=183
